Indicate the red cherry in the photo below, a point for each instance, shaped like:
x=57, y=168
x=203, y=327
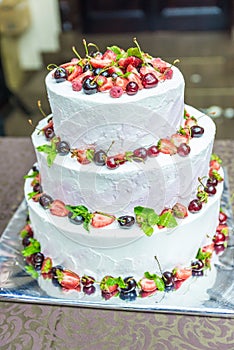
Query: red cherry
x=222, y=217
x=219, y=238
x=195, y=206
x=111, y=163
x=149, y=80
x=153, y=151
x=210, y=189
x=132, y=88
x=183, y=149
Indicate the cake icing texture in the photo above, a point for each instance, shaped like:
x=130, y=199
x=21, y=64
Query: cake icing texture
x=125, y=182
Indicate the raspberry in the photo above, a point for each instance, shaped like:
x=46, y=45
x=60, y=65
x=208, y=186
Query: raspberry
x=76, y=85
x=116, y=91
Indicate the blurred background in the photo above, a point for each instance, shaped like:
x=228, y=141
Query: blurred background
x=33, y=34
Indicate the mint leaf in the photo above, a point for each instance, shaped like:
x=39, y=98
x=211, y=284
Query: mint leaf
x=31, y=271
x=115, y=49
x=44, y=148
x=32, y=176
x=146, y=218
x=23, y=233
x=148, y=230
x=167, y=220
x=33, y=247
x=32, y=194
x=158, y=280
x=216, y=157
x=134, y=51
x=51, y=152
x=90, y=154
x=82, y=211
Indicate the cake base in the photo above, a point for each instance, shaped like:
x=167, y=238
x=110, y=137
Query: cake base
x=17, y=286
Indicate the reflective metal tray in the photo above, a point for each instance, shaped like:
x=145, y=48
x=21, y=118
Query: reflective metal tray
x=210, y=295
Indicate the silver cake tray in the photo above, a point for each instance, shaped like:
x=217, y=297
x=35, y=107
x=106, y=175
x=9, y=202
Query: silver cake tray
x=210, y=295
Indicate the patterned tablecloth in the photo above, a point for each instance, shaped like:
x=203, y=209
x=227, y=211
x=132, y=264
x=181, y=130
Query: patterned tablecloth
x=35, y=327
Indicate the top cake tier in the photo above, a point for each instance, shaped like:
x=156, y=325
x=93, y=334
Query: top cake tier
x=130, y=121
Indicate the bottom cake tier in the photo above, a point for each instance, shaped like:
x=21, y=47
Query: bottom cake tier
x=112, y=251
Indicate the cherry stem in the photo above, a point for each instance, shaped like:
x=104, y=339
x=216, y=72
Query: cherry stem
x=94, y=45
x=76, y=53
x=52, y=66
x=40, y=108
x=159, y=266
x=108, y=150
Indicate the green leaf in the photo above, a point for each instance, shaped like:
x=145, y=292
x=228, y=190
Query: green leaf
x=31, y=194
x=32, y=176
x=153, y=218
x=23, y=233
x=134, y=51
x=148, y=230
x=115, y=49
x=111, y=281
x=83, y=211
x=33, y=247
x=90, y=154
x=31, y=271
x=216, y=157
x=167, y=220
x=44, y=148
x=158, y=280
x=50, y=158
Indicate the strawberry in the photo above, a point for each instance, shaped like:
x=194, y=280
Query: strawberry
x=159, y=64
x=108, y=285
x=120, y=158
x=68, y=279
x=168, y=74
x=74, y=72
x=107, y=85
x=166, y=146
x=191, y=121
x=36, y=180
x=109, y=54
x=132, y=69
x=122, y=82
x=179, y=211
x=134, y=61
x=102, y=220
x=100, y=63
x=147, y=69
x=147, y=285
x=36, y=197
x=215, y=165
x=81, y=156
x=69, y=64
x=136, y=78
x=181, y=273
x=177, y=139
x=116, y=70
x=208, y=248
x=46, y=266
x=80, y=78
x=57, y=208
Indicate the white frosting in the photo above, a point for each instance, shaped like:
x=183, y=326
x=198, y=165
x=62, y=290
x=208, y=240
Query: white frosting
x=131, y=121
x=159, y=182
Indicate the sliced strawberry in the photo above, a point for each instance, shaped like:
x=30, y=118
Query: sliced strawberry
x=181, y=273
x=214, y=164
x=134, y=61
x=168, y=74
x=132, y=69
x=120, y=158
x=116, y=70
x=107, y=85
x=148, y=69
x=166, y=146
x=190, y=122
x=36, y=180
x=136, y=78
x=81, y=156
x=69, y=64
x=147, y=285
x=208, y=248
x=178, y=139
x=68, y=279
x=102, y=220
x=101, y=63
x=222, y=228
x=57, y=208
x=180, y=211
x=80, y=78
x=109, y=54
x=108, y=285
x=75, y=72
x=122, y=82
x=159, y=64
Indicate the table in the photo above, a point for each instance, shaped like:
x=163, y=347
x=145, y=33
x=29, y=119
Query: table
x=35, y=327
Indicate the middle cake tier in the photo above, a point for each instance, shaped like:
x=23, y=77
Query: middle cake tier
x=157, y=182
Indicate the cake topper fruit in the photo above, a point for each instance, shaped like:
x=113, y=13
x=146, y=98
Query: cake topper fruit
x=116, y=70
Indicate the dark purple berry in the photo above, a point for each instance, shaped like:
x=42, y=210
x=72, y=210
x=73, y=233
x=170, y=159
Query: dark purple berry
x=195, y=206
x=100, y=158
x=90, y=86
x=45, y=200
x=60, y=74
x=49, y=133
x=87, y=281
x=196, y=131
x=126, y=221
x=168, y=279
x=77, y=220
x=130, y=285
x=89, y=290
x=63, y=148
x=210, y=189
x=37, y=188
x=212, y=181
x=197, y=267
x=130, y=296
